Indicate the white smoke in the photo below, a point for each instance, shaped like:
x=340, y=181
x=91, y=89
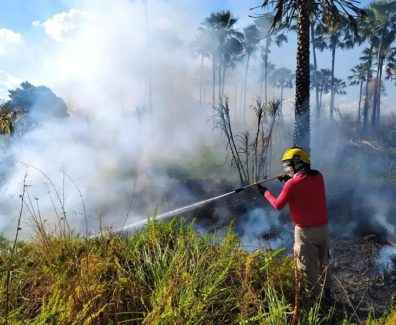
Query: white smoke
x=260, y=228
x=384, y=257
x=108, y=152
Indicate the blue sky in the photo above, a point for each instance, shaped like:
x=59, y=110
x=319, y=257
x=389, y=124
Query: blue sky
x=34, y=34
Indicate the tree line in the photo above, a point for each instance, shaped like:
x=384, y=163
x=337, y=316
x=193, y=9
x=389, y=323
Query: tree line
x=320, y=26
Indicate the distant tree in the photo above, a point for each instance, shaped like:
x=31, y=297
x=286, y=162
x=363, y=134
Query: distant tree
x=391, y=71
x=34, y=104
x=220, y=26
x=367, y=60
x=358, y=77
x=37, y=100
x=269, y=36
x=379, y=30
x=332, y=36
x=282, y=78
x=313, y=78
x=202, y=45
x=339, y=86
x=385, y=24
x=323, y=83
x=287, y=11
x=232, y=54
x=251, y=40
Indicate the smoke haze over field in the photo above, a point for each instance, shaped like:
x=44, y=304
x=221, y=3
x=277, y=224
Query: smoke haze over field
x=109, y=145
x=112, y=148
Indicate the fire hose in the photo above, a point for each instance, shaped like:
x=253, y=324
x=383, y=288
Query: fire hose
x=135, y=226
x=239, y=189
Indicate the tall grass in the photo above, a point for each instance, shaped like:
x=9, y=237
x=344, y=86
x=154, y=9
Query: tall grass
x=163, y=274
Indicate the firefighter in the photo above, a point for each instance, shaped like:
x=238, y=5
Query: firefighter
x=304, y=192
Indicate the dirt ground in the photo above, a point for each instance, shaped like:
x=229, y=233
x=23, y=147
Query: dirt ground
x=360, y=284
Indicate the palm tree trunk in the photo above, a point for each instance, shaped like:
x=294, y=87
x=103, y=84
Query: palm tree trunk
x=366, y=98
x=214, y=83
x=332, y=82
x=302, y=118
x=281, y=98
x=204, y=91
x=220, y=82
x=315, y=72
x=266, y=69
x=235, y=99
x=320, y=98
x=149, y=64
x=201, y=82
x=377, y=90
x=379, y=94
x=245, y=88
x=360, y=102
x=223, y=83
x=374, y=109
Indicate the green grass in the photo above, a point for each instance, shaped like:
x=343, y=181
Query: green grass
x=163, y=274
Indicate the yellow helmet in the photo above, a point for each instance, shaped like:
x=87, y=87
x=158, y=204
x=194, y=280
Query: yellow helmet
x=296, y=152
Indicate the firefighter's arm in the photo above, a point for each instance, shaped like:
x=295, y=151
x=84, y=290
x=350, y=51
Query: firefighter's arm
x=280, y=201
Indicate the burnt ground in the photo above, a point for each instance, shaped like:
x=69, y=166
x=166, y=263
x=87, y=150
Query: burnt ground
x=360, y=285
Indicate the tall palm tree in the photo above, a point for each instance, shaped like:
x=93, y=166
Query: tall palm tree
x=232, y=54
x=378, y=29
x=251, y=41
x=285, y=12
x=314, y=76
x=282, y=78
x=221, y=27
x=323, y=77
x=358, y=77
x=269, y=36
x=367, y=60
x=202, y=45
x=332, y=36
x=385, y=26
x=391, y=70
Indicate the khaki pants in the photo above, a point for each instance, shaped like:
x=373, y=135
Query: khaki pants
x=311, y=247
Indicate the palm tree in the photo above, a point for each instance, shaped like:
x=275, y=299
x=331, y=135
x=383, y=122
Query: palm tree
x=202, y=45
x=332, y=36
x=232, y=54
x=339, y=86
x=315, y=70
x=281, y=78
x=251, y=41
x=220, y=26
x=358, y=77
x=270, y=36
x=285, y=12
x=323, y=77
x=367, y=59
x=379, y=30
x=391, y=70
x=385, y=25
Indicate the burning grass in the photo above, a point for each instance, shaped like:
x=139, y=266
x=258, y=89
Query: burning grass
x=163, y=274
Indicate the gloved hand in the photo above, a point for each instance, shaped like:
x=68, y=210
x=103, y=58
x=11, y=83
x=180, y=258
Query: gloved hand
x=283, y=178
x=262, y=189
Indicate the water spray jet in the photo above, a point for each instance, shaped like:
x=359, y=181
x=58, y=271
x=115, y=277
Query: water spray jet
x=137, y=225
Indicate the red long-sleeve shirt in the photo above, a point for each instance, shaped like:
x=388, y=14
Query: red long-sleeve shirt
x=306, y=197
